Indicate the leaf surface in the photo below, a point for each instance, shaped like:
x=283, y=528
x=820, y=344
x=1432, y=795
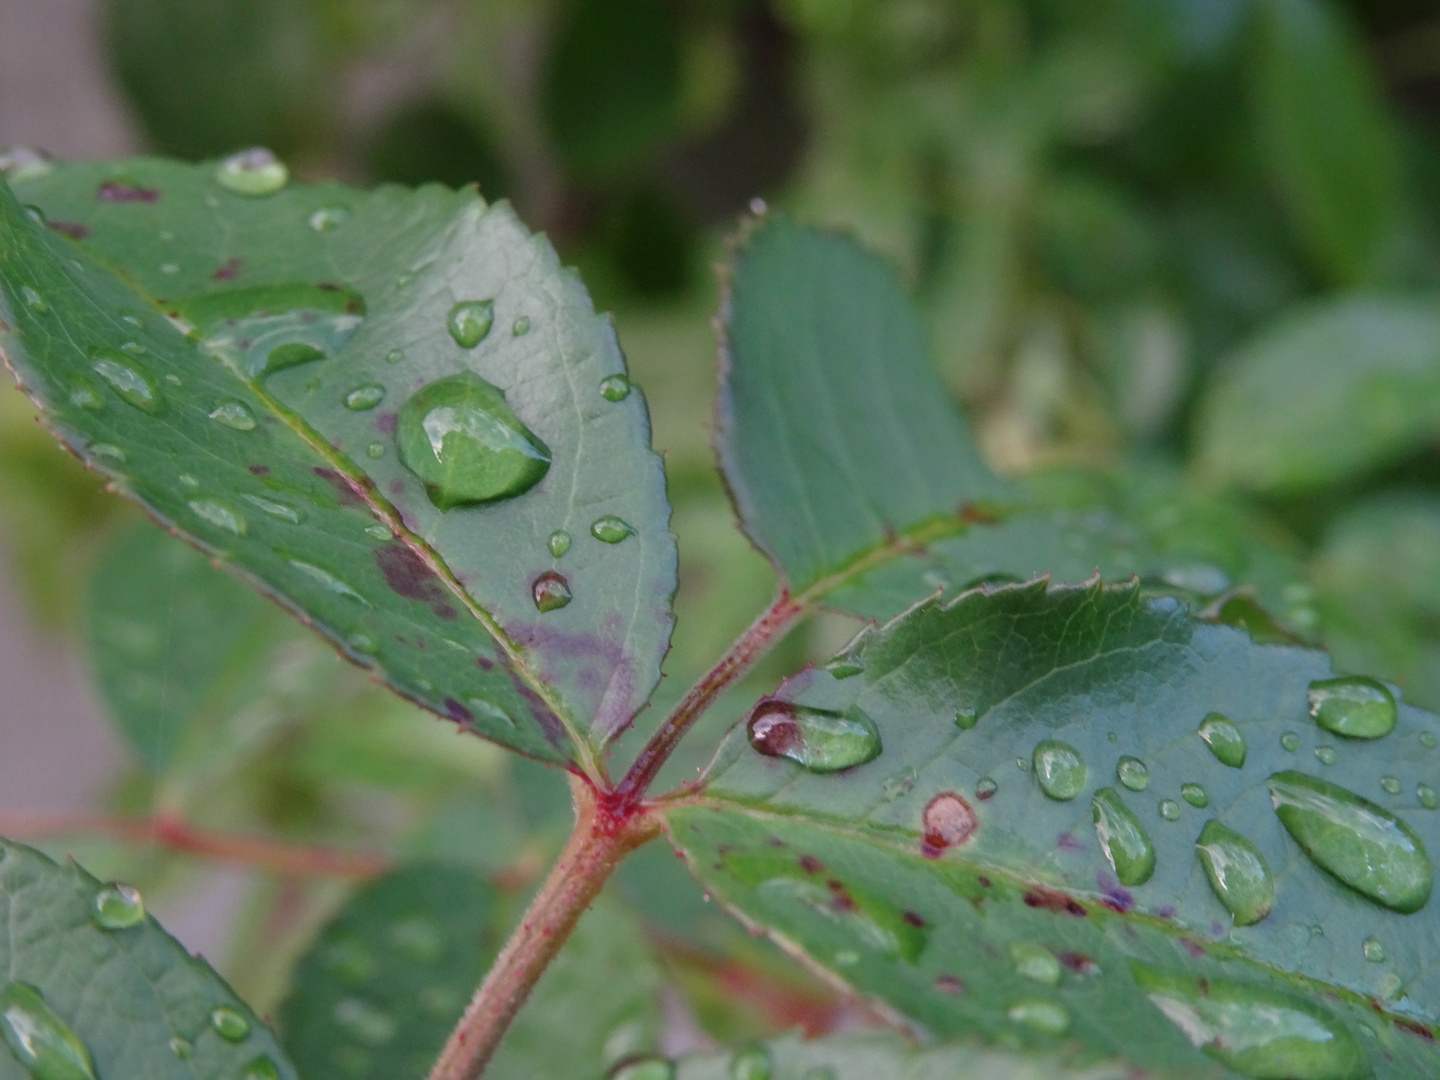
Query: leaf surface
x=941, y=879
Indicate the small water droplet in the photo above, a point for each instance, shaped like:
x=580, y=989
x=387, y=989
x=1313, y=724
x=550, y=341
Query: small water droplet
x=947, y=822
x=108, y=451
x=1427, y=740
x=1426, y=794
x=294, y=515
x=1327, y=755
x=1238, y=873
x=1225, y=740
x=1035, y=962
x=551, y=591
x=1290, y=741
x=643, y=1068
x=615, y=387
x=1123, y=839
x=1359, y=843
x=1169, y=810
x=181, y=1048
x=394, y=356
x=965, y=719
x=362, y=643
x=252, y=172
x=1040, y=1015
x=33, y=300
x=83, y=394
x=134, y=385
x=459, y=436
x=752, y=1063
x=1353, y=706
x=118, y=906
x=169, y=268
x=42, y=1042
x=261, y=1068
x=378, y=532
x=329, y=217
x=329, y=581
x=611, y=529
x=899, y=784
x=365, y=396
x=364, y=1022
x=985, y=788
x=229, y=1023
x=19, y=163
x=220, y=514
x=1195, y=795
x=521, y=326
x=188, y=482
x=559, y=543
x=1390, y=784
x=375, y=450
x=844, y=666
x=234, y=414
x=1131, y=772
x=1374, y=951
x=1059, y=768
x=469, y=322
x=817, y=739
x=1023, y=764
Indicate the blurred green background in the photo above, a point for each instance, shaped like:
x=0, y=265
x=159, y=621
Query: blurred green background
x=1195, y=241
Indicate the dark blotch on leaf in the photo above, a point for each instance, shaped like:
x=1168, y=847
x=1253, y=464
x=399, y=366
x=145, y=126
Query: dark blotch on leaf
x=1054, y=901
x=228, y=270
x=1415, y=1028
x=112, y=191
x=73, y=229
x=457, y=712
x=810, y=864
x=344, y=489
x=406, y=573
x=948, y=822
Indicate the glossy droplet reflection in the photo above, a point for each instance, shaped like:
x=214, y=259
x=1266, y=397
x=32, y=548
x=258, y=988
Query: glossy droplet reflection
x=947, y=822
x=135, y=386
x=18, y=163
x=220, y=514
x=233, y=414
x=1122, y=838
x=1225, y=740
x=1035, y=962
x=752, y=1063
x=1353, y=706
x=615, y=387
x=1059, y=769
x=117, y=907
x=643, y=1068
x=1290, y=741
x=1195, y=795
x=261, y=1068
x=469, y=322
x=550, y=591
x=1238, y=873
x=230, y=1024
x=1169, y=810
x=1390, y=784
x=42, y=1042
x=1361, y=844
x=253, y=172
x=559, y=543
x=1373, y=950
x=461, y=439
x=817, y=739
x=1131, y=772
x=1040, y=1015
x=33, y=300
x=329, y=217
x=365, y=396
x=611, y=529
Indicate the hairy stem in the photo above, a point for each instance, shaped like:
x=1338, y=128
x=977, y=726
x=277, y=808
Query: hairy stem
x=605, y=833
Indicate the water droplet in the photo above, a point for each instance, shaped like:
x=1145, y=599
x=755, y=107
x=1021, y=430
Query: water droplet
x=1040, y=1015
x=1225, y=740
x=643, y=1068
x=611, y=529
x=1131, y=772
x=252, y=172
x=1290, y=741
x=1169, y=809
x=965, y=719
x=459, y=436
x=615, y=387
x=1035, y=962
x=948, y=822
x=169, y=268
x=1023, y=764
x=220, y=514
x=752, y=1063
x=1390, y=784
x=844, y=667
x=1256, y=1031
x=819, y=740
x=362, y=643
x=1059, y=768
x=134, y=385
x=1426, y=794
x=559, y=543
x=1353, y=706
x=363, y=397
x=181, y=1048
x=350, y=960
x=293, y=515
x=1374, y=951
x=1427, y=740
x=521, y=326
x=551, y=591
x=107, y=450
x=394, y=356
x=1362, y=845
x=118, y=906
x=188, y=482
x=19, y=163
x=33, y=300
x=469, y=321
x=1327, y=755
x=234, y=414
x=261, y=1068
x=985, y=788
x=364, y=1022
x=328, y=218
x=1237, y=871
x=378, y=532
x=375, y=450
x=83, y=394
x=1123, y=839
x=39, y=1039
x=900, y=784
x=329, y=581
x=1195, y=795
x=230, y=1024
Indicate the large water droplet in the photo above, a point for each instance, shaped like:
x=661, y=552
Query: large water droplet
x=1225, y=740
x=1059, y=768
x=230, y=1024
x=948, y=822
x=615, y=387
x=252, y=172
x=1237, y=871
x=261, y=1068
x=117, y=907
x=752, y=1063
x=1035, y=962
x=39, y=1039
x=1040, y=1015
x=965, y=719
x=469, y=322
x=134, y=385
x=1373, y=950
x=559, y=543
x=1258, y=1032
x=19, y=163
x=364, y=397
x=259, y=331
x=1195, y=795
x=220, y=514
x=1131, y=772
x=611, y=529
x=643, y=1068
x=520, y=327
x=1362, y=845
x=819, y=740
x=1353, y=706
x=551, y=591
x=234, y=414
x=364, y=1022
x=1123, y=839
x=460, y=438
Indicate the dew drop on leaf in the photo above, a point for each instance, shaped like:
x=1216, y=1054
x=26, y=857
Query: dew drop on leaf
x=276, y=509
x=844, y=667
x=1169, y=810
x=817, y=739
x=965, y=719
x=1426, y=796
x=1427, y=740
x=521, y=326
x=1225, y=740
x=85, y=395
x=1360, y=844
x=329, y=217
x=752, y=1063
x=643, y=1068
x=19, y=163
x=42, y=1042
x=364, y=1022
x=559, y=543
x=1390, y=784
x=469, y=322
x=1374, y=951
x=985, y=788
x=220, y=514
x=1122, y=838
x=363, y=397
x=375, y=450
x=611, y=529
x=230, y=1024
x=117, y=906
x=107, y=450
x=615, y=387
x=1131, y=772
x=1035, y=962
x=394, y=356
x=33, y=300
x=551, y=591
x=1327, y=755
x=1238, y=873
x=362, y=643
x=1195, y=795
x=378, y=532
x=1353, y=706
x=329, y=581
x=182, y=1048
x=134, y=385
x=261, y=1068
x=234, y=414
x=1059, y=768
x=1040, y=1015
x=1290, y=741
x=947, y=822
x=253, y=172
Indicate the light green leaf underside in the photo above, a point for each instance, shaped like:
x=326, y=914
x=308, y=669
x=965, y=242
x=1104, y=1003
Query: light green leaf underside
x=1112, y=675
x=385, y=982
x=126, y=992
x=411, y=256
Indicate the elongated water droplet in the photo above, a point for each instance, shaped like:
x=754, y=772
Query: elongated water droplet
x=1131, y=772
x=230, y=1024
x=85, y=395
x=611, y=529
x=615, y=387
x=378, y=532
x=294, y=515
x=469, y=322
x=1362, y=845
x=1195, y=795
x=965, y=719
x=1237, y=871
x=461, y=439
x=559, y=543
x=985, y=788
x=844, y=666
x=234, y=414
x=364, y=1022
x=1390, y=784
x=1123, y=839
x=220, y=514
x=1353, y=706
x=33, y=300
x=643, y=1068
x=39, y=1039
x=1426, y=796
x=1035, y=962
x=1040, y=1015
x=117, y=907
x=752, y=1063
x=182, y=1048
x=107, y=450
x=947, y=822
x=1374, y=951
x=19, y=163
x=1169, y=809
x=134, y=385
x=1059, y=768
x=551, y=591
x=329, y=217
x=1326, y=755
x=329, y=581
x=1225, y=740
x=252, y=172
x=819, y=740
x=364, y=397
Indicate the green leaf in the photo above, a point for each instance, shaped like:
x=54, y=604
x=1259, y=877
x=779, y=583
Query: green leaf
x=1329, y=392
x=1325, y=136
x=938, y=876
x=292, y=478
x=131, y=994
x=386, y=981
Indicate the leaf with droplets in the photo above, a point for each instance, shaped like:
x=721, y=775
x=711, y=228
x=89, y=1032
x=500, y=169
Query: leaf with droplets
x=930, y=875
x=260, y=384
x=95, y=988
